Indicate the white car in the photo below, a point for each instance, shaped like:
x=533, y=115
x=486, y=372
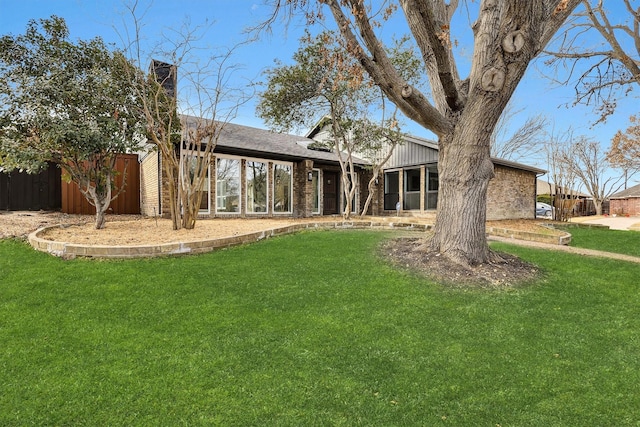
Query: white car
x=543, y=210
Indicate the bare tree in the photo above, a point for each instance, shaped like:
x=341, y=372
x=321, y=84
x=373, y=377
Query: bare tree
x=462, y=113
x=206, y=103
x=562, y=177
x=526, y=141
x=589, y=164
x=602, y=72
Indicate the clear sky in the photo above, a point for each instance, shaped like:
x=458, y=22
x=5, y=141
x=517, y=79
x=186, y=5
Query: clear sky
x=90, y=18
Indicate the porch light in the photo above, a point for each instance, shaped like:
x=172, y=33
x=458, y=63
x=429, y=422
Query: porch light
x=310, y=176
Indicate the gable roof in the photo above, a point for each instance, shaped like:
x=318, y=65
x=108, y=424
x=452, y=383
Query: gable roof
x=630, y=192
x=248, y=141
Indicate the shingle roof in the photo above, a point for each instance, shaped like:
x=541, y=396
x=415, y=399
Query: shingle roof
x=628, y=193
x=249, y=141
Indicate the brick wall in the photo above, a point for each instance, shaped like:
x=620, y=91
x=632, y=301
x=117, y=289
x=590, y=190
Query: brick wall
x=511, y=194
x=630, y=206
x=149, y=181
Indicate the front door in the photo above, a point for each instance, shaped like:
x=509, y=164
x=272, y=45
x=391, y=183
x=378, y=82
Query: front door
x=330, y=192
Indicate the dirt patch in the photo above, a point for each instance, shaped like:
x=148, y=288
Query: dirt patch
x=410, y=253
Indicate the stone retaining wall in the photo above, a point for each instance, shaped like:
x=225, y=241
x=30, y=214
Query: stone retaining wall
x=72, y=250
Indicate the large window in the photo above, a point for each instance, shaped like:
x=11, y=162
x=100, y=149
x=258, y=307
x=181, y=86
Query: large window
x=315, y=183
x=257, y=201
x=432, y=184
x=194, y=165
x=228, y=185
x=282, y=185
x=412, y=189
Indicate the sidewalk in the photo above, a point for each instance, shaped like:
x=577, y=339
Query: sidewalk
x=614, y=223
x=563, y=248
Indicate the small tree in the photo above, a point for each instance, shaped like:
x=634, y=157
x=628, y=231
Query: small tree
x=206, y=102
x=561, y=175
x=69, y=103
x=589, y=164
x=323, y=79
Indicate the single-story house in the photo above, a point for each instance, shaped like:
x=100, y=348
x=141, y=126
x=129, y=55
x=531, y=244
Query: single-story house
x=626, y=202
x=260, y=173
x=410, y=181
x=411, y=178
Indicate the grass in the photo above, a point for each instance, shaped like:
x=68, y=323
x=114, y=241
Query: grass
x=313, y=329
x=617, y=241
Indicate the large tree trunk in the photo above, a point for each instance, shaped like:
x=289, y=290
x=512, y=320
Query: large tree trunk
x=464, y=169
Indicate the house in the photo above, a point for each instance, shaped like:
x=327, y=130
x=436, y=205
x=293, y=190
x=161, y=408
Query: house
x=411, y=178
x=410, y=181
x=626, y=202
x=259, y=173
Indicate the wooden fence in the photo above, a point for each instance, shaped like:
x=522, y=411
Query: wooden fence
x=20, y=191
x=127, y=202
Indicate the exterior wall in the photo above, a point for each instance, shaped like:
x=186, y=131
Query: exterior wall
x=302, y=197
x=149, y=185
x=629, y=206
x=511, y=194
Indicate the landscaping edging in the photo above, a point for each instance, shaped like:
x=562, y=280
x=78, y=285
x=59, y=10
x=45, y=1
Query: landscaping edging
x=565, y=239
x=72, y=250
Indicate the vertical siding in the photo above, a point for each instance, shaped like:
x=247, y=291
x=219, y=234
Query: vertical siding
x=411, y=154
x=23, y=191
x=127, y=202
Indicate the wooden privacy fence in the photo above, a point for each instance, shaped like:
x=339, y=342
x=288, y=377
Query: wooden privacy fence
x=127, y=202
x=20, y=191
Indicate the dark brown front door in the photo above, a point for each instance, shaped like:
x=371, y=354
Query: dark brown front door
x=330, y=193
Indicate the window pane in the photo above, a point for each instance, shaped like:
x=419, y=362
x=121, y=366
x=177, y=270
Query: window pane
x=282, y=188
x=195, y=165
x=228, y=185
x=391, y=190
x=315, y=183
x=412, y=189
x=432, y=184
x=256, y=187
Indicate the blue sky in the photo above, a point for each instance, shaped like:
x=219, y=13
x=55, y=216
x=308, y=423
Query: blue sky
x=90, y=18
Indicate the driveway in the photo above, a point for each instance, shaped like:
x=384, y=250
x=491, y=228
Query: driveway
x=614, y=223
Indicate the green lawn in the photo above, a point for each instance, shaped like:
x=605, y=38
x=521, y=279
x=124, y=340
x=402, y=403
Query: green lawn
x=618, y=241
x=313, y=329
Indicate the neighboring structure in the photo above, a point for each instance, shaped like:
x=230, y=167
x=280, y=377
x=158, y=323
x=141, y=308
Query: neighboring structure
x=576, y=202
x=259, y=173
x=626, y=202
x=411, y=179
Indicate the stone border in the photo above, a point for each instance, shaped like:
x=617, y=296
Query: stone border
x=562, y=240
x=72, y=250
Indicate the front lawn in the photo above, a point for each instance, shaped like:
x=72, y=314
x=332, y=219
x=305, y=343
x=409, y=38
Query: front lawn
x=602, y=239
x=313, y=329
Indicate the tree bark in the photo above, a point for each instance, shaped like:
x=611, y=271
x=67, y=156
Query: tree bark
x=464, y=169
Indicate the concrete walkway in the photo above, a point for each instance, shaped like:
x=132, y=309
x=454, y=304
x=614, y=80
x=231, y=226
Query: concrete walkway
x=570, y=249
x=613, y=222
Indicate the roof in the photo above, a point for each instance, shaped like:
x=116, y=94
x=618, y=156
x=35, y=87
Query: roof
x=546, y=187
x=243, y=140
x=630, y=192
